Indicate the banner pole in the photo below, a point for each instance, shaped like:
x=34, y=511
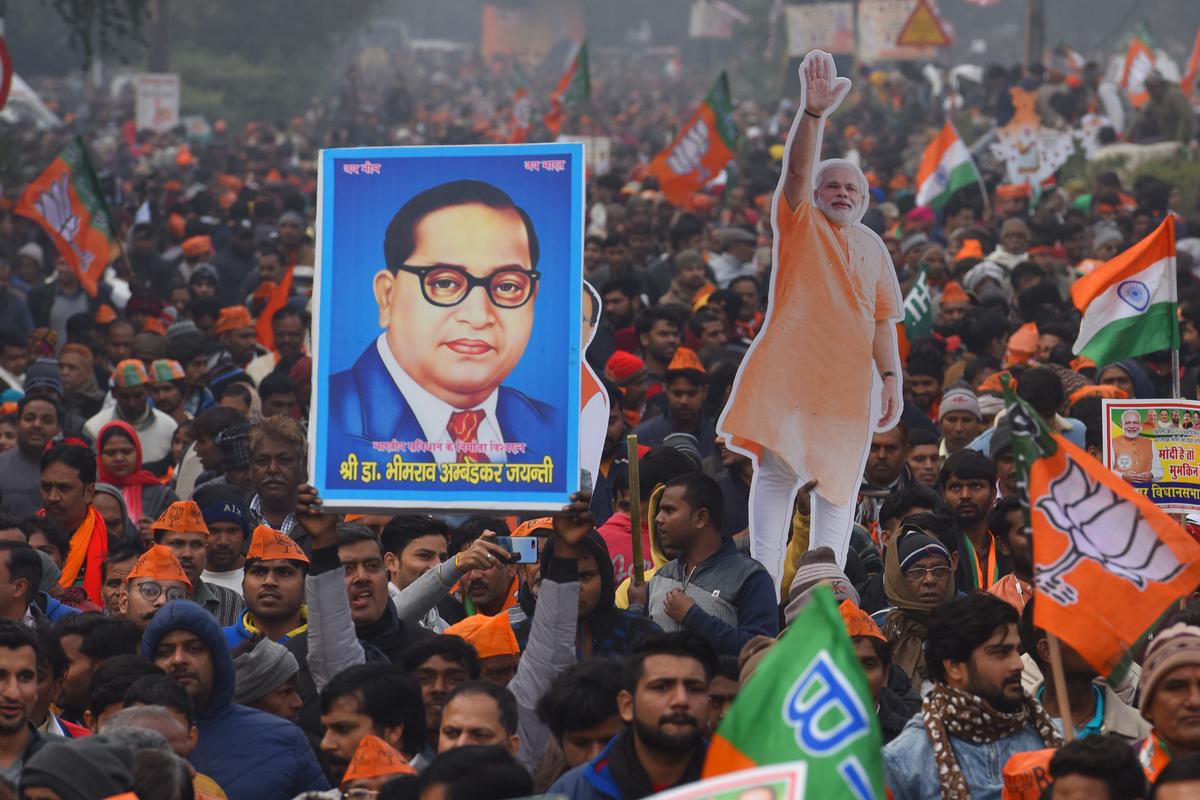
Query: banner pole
x=1060, y=687
x=635, y=509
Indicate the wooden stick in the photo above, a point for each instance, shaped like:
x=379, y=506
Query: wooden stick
x=635, y=509
x=1060, y=687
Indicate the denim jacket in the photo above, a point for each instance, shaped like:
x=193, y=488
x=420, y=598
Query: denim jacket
x=912, y=773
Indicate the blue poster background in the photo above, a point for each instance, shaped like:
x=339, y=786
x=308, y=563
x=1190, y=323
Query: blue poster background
x=355, y=209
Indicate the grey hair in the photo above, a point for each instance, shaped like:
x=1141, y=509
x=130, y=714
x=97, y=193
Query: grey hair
x=833, y=163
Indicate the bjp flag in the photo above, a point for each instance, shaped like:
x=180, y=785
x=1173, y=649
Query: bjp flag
x=67, y=202
x=1139, y=63
x=1107, y=562
x=572, y=88
x=702, y=148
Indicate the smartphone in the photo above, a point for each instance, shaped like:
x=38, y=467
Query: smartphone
x=525, y=548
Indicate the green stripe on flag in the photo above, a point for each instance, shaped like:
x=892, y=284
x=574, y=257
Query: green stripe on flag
x=918, y=308
x=961, y=176
x=1150, y=332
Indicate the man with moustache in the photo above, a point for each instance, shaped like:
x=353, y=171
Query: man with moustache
x=976, y=716
x=156, y=579
x=39, y=419
x=182, y=528
x=19, y=740
x=968, y=481
x=273, y=588
x=665, y=702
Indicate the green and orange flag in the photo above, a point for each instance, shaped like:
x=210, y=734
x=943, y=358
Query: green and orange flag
x=67, y=202
x=701, y=150
x=1108, y=563
x=808, y=701
x=573, y=88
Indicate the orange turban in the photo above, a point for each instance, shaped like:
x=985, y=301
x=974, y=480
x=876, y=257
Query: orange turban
x=971, y=248
x=375, y=758
x=159, y=564
x=953, y=293
x=182, y=516
x=490, y=636
x=685, y=359
x=197, y=246
x=858, y=622
x=233, y=318
x=270, y=545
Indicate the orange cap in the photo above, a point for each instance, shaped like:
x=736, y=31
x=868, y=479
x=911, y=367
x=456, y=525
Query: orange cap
x=954, y=292
x=490, y=636
x=232, y=318
x=1012, y=191
x=159, y=563
x=971, y=248
x=532, y=526
x=1105, y=392
x=197, y=246
x=375, y=758
x=686, y=359
x=154, y=325
x=182, y=516
x=1080, y=363
x=1022, y=345
x=176, y=225
x=353, y=517
x=1026, y=775
x=269, y=545
x=858, y=622
x=105, y=314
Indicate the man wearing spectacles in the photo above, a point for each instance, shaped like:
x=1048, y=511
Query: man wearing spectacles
x=456, y=302
x=155, y=580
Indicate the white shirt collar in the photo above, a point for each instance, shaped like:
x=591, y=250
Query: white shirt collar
x=433, y=413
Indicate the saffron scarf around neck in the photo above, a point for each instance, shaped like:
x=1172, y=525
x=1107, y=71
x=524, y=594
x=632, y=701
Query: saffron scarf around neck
x=88, y=551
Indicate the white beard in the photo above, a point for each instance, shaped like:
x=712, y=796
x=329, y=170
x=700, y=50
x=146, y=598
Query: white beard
x=838, y=216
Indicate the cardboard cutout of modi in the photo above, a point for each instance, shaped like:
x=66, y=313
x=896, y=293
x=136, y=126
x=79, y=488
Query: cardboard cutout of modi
x=824, y=373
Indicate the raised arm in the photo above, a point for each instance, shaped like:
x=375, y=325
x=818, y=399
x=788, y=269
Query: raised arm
x=823, y=91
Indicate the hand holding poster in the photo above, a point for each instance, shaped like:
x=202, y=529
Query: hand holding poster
x=447, y=350
x=1155, y=446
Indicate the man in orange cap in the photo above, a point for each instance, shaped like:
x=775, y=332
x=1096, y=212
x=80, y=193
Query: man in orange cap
x=953, y=304
x=832, y=273
x=156, y=579
x=273, y=586
x=686, y=389
x=494, y=643
x=131, y=389
x=375, y=763
x=197, y=250
x=181, y=528
x=875, y=655
x=236, y=331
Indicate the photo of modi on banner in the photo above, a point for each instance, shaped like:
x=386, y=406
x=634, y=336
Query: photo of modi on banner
x=447, y=333
x=1155, y=446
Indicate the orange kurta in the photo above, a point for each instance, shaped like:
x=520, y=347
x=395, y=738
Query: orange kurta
x=804, y=390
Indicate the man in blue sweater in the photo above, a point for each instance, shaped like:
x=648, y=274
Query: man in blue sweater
x=710, y=588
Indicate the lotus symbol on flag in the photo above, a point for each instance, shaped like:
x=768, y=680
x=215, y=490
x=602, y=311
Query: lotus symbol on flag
x=54, y=205
x=1102, y=528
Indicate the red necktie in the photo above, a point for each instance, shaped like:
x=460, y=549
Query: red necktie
x=464, y=427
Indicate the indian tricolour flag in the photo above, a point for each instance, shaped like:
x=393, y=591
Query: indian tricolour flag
x=1129, y=303
x=946, y=167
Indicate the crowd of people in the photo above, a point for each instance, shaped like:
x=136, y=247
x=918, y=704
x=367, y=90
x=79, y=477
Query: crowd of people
x=181, y=618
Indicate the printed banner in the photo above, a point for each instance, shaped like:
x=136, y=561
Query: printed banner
x=449, y=292
x=157, y=101
x=1155, y=446
x=820, y=26
x=879, y=25
x=778, y=782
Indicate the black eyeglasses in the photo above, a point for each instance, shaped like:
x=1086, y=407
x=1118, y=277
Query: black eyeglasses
x=447, y=285
x=151, y=591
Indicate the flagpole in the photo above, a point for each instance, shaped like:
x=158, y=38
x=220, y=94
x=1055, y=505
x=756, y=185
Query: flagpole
x=1060, y=687
x=635, y=509
x=974, y=167
x=1176, y=392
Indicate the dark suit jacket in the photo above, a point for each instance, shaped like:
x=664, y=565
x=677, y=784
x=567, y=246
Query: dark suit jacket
x=366, y=406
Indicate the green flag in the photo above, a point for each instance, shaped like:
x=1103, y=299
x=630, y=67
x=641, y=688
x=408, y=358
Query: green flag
x=918, y=309
x=808, y=701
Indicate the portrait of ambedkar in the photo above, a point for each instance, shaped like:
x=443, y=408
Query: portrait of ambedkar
x=455, y=301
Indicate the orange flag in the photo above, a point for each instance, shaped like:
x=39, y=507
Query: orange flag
x=277, y=300
x=1193, y=67
x=66, y=201
x=1108, y=563
x=702, y=148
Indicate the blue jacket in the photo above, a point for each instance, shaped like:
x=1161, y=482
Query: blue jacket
x=590, y=781
x=51, y=609
x=251, y=754
x=912, y=773
x=366, y=406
